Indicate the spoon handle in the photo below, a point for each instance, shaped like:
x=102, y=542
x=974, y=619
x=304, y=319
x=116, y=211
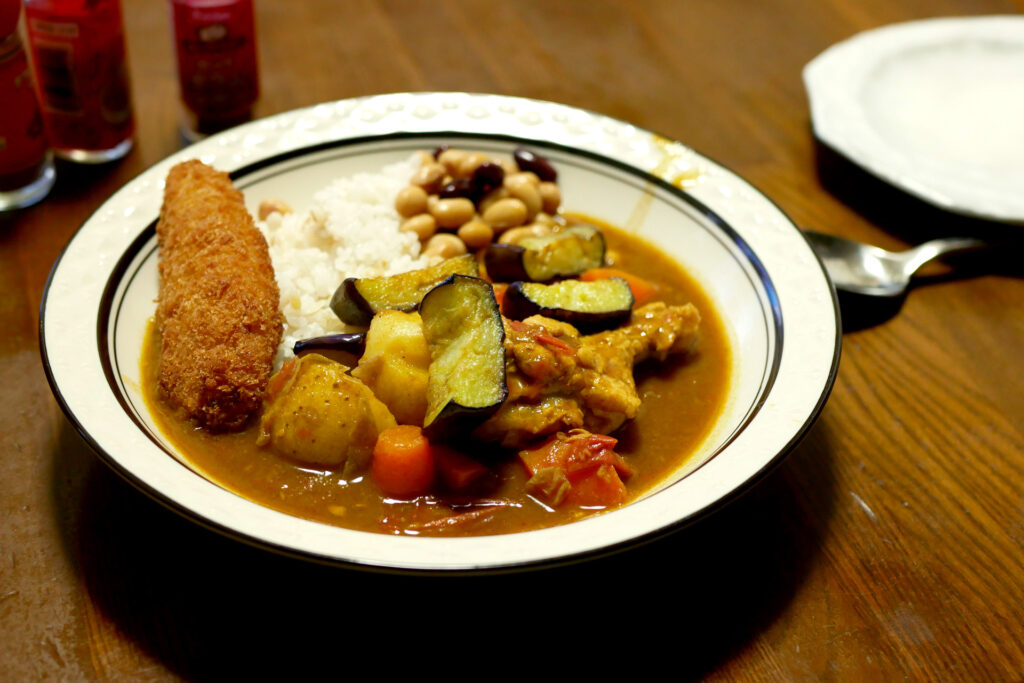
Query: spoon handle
x=923, y=253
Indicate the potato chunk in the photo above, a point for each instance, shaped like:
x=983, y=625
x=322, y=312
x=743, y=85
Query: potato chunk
x=395, y=364
x=319, y=415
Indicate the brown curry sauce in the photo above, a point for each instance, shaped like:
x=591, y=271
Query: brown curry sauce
x=682, y=398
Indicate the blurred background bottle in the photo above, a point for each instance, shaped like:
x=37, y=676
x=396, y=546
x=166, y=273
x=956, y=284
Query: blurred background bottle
x=26, y=165
x=82, y=72
x=215, y=42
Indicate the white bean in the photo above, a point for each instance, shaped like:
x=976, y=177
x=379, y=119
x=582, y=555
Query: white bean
x=429, y=177
x=444, y=245
x=505, y=213
x=423, y=225
x=551, y=196
x=477, y=234
x=453, y=211
x=411, y=200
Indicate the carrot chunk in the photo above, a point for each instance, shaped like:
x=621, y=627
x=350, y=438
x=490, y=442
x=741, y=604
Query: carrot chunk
x=279, y=379
x=403, y=464
x=643, y=290
x=499, y=292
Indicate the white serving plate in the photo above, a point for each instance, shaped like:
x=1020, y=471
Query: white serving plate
x=934, y=107
x=779, y=308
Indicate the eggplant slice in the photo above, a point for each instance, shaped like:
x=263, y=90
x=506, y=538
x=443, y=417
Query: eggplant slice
x=466, y=338
x=542, y=259
x=357, y=299
x=351, y=343
x=588, y=306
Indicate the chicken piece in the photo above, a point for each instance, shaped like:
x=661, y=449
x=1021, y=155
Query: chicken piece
x=559, y=380
x=606, y=359
x=218, y=310
x=518, y=422
x=319, y=415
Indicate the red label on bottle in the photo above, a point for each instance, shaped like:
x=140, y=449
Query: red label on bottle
x=22, y=140
x=216, y=45
x=80, y=62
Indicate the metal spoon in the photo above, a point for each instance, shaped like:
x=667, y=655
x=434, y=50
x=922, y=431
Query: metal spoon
x=864, y=269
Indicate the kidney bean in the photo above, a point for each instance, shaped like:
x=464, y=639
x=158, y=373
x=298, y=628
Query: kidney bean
x=487, y=176
x=528, y=160
x=460, y=187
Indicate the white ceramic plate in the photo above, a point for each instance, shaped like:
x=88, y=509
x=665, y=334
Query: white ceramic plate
x=779, y=307
x=935, y=107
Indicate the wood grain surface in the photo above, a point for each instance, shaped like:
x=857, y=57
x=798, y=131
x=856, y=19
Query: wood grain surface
x=888, y=545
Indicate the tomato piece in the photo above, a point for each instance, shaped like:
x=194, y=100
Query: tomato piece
x=550, y=454
x=556, y=344
x=457, y=470
x=598, y=486
x=578, y=468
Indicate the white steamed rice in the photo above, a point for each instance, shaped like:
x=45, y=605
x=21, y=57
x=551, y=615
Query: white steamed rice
x=350, y=230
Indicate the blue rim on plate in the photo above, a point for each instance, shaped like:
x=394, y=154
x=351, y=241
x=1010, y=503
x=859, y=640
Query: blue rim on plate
x=785, y=287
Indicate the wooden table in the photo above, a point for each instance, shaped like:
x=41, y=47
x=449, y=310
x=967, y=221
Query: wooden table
x=889, y=543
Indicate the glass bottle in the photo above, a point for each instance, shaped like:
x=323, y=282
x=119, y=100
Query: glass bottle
x=81, y=67
x=26, y=163
x=215, y=41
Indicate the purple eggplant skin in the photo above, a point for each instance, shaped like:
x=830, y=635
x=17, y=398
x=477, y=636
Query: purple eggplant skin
x=537, y=259
x=357, y=300
x=517, y=304
x=456, y=422
x=347, y=347
x=504, y=262
x=466, y=336
x=350, y=305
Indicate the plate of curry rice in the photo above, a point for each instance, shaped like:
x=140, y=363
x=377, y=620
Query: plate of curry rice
x=440, y=332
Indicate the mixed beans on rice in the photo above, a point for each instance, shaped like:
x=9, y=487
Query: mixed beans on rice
x=459, y=201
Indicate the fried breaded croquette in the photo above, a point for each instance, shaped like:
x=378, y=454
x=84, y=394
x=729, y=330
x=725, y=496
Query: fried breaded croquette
x=218, y=313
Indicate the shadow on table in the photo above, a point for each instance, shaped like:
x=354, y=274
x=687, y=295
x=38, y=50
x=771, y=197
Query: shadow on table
x=202, y=605
x=913, y=221
x=75, y=181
